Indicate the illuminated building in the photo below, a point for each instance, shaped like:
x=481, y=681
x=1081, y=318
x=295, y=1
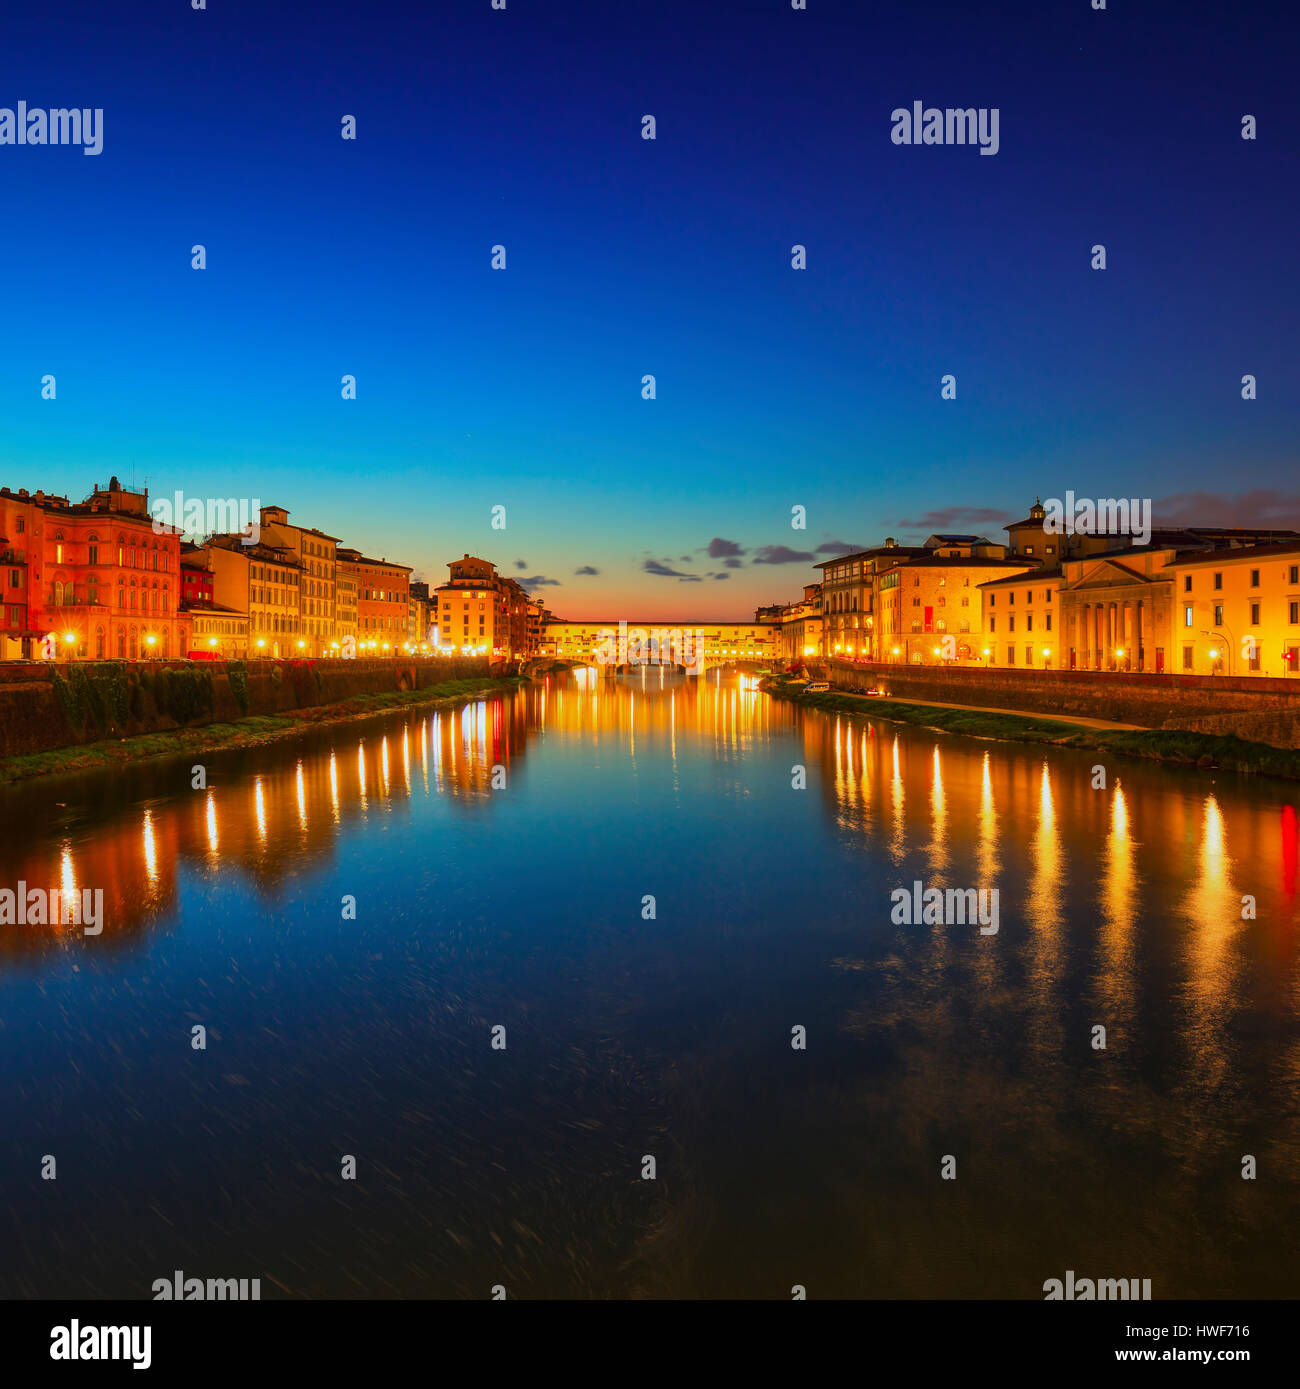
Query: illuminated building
x=383, y=598
x=317, y=556
x=99, y=577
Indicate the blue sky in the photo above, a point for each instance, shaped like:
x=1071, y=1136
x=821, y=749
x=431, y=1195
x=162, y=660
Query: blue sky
x=776, y=387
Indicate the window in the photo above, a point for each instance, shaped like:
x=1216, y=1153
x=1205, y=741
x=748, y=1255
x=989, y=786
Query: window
x=1029, y=549
x=1187, y=615
x=1049, y=622
x=1187, y=658
x=1254, y=614
x=1187, y=583
x=1293, y=612
x=1011, y=655
x=1293, y=574
x=993, y=624
x=1254, y=655
x=1011, y=623
x=1254, y=578
x=1218, y=581
x=1029, y=655
x=1218, y=614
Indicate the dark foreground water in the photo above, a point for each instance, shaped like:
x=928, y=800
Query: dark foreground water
x=522, y=907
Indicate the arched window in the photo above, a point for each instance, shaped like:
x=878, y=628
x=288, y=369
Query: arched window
x=121, y=643
x=99, y=643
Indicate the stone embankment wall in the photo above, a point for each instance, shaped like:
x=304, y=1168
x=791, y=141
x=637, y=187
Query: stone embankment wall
x=1260, y=709
x=44, y=705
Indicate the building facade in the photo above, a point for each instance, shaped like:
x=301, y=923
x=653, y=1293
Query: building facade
x=383, y=600
x=930, y=611
x=100, y=579
x=316, y=555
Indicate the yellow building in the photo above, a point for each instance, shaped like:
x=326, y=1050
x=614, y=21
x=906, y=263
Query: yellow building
x=1237, y=612
x=1021, y=620
x=317, y=558
x=345, y=608
x=852, y=620
x=930, y=611
x=801, y=626
x=222, y=632
x=1124, y=610
x=263, y=581
x=716, y=642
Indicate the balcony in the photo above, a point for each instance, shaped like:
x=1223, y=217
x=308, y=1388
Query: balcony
x=78, y=601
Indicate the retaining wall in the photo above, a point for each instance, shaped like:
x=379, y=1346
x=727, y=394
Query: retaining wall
x=44, y=705
x=1261, y=709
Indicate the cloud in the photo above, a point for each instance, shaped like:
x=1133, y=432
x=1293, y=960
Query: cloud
x=719, y=576
x=838, y=547
x=782, y=554
x=690, y=579
x=1262, y=508
x=719, y=548
x=521, y=564
x=539, y=581
x=587, y=569
x=664, y=568
x=944, y=518
x=734, y=563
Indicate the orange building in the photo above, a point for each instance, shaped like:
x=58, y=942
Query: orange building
x=383, y=599
x=101, y=577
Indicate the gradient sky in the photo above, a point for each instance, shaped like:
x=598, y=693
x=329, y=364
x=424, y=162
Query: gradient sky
x=775, y=387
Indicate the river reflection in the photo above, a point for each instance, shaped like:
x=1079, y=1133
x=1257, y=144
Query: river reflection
x=1098, y=1067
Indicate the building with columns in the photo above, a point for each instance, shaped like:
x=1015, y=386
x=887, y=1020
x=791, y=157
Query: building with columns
x=1122, y=610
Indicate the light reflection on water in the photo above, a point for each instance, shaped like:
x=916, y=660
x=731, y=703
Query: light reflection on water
x=521, y=905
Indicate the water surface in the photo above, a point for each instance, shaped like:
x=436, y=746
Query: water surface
x=520, y=905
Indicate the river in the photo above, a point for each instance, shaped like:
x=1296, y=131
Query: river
x=349, y=916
